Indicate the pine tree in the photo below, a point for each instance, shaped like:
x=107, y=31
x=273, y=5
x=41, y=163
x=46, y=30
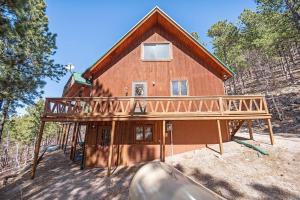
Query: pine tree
x=25, y=59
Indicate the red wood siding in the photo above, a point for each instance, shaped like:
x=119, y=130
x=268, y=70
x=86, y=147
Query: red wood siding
x=116, y=78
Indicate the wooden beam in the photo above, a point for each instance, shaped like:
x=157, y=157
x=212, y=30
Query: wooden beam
x=82, y=166
x=270, y=131
x=110, y=153
x=249, y=122
x=76, y=125
x=37, y=149
x=220, y=137
x=63, y=136
x=152, y=117
x=163, y=141
x=58, y=135
x=67, y=137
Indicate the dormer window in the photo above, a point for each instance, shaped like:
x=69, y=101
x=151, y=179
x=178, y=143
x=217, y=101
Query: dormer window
x=156, y=51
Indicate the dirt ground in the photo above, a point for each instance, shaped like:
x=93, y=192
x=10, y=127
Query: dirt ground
x=59, y=178
x=240, y=173
x=243, y=173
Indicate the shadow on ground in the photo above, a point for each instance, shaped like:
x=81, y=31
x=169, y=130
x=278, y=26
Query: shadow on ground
x=59, y=178
x=225, y=189
x=273, y=192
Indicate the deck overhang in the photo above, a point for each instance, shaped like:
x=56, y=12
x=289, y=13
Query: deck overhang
x=155, y=108
x=233, y=109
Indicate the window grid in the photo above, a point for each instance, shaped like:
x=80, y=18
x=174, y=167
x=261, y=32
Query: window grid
x=143, y=133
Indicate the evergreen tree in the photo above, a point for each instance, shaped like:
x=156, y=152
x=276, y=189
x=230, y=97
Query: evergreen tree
x=26, y=48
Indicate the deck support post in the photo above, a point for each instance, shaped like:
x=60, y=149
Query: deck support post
x=67, y=137
x=163, y=147
x=110, y=155
x=270, y=131
x=63, y=136
x=249, y=122
x=74, y=138
x=37, y=149
x=220, y=137
x=58, y=135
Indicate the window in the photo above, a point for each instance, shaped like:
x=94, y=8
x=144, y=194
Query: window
x=103, y=135
x=156, y=51
x=144, y=133
x=179, y=88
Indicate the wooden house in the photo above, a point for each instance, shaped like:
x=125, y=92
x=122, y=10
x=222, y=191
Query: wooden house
x=156, y=92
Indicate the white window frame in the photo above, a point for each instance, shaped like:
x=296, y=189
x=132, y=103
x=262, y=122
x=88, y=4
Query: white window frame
x=139, y=82
x=179, y=95
x=143, y=140
x=157, y=60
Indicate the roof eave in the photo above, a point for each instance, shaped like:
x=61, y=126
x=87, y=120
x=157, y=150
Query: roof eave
x=157, y=9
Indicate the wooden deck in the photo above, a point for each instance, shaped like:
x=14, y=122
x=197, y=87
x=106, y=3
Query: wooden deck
x=155, y=108
x=235, y=110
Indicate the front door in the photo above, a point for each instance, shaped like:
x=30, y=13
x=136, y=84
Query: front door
x=139, y=89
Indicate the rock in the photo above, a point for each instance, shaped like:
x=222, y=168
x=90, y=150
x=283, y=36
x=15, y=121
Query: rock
x=298, y=119
x=297, y=100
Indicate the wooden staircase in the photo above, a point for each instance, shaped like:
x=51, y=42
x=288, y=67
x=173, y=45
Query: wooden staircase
x=234, y=126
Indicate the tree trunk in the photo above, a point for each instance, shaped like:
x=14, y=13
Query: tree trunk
x=295, y=15
x=234, y=84
x=284, y=70
x=27, y=153
x=4, y=116
x=17, y=155
x=273, y=85
x=280, y=114
x=288, y=68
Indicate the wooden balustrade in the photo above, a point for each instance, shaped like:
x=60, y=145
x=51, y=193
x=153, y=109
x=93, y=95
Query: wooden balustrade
x=155, y=106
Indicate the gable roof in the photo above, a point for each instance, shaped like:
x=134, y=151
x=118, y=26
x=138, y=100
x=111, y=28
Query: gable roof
x=75, y=78
x=156, y=15
x=78, y=78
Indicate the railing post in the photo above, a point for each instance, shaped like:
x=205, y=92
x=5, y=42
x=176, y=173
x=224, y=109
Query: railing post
x=46, y=106
x=37, y=149
x=131, y=103
x=265, y=104
x=220, y=137
x=111, y=143
x=221, y=105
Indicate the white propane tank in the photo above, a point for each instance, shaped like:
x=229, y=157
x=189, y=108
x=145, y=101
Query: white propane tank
x=157, y=180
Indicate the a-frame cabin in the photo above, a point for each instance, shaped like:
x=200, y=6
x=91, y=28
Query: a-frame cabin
x=156, y=92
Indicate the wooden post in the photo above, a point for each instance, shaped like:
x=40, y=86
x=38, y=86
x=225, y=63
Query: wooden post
x=63, y=136
x=270, y=131
x=249, y=122
x=220, y=137
x=163, y=141
x=82, y=166
x=37, y=149
x=110, y=155
x=58, y=135
x=67, y=137
x=75, y=130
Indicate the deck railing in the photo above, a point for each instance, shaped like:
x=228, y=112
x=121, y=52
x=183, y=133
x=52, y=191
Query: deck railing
x=147, y=106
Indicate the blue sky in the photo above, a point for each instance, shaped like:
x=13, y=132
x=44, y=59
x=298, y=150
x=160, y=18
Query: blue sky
x=87, y=29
